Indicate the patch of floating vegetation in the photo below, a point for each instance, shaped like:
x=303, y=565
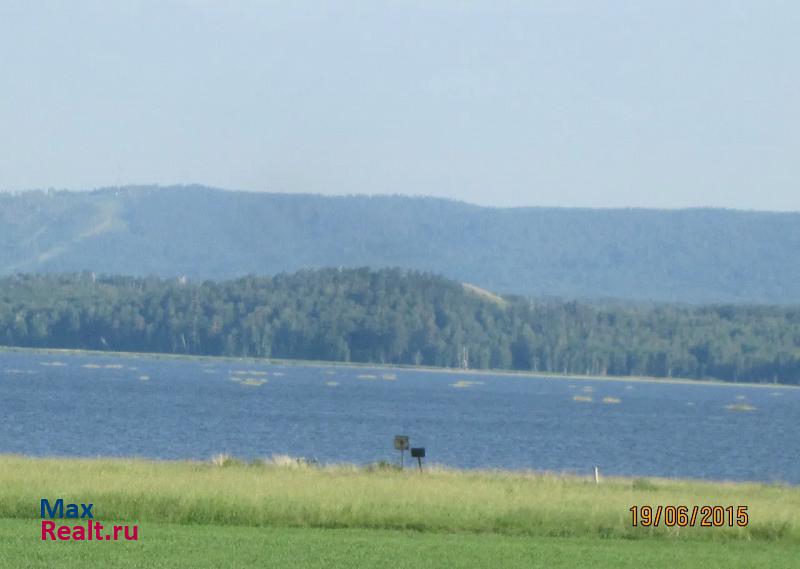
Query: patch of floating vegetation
x=53, y=364
x=740, y=407
x=611, y=400
x=582, y=398
x=332, y=383
x=367, y=376
x=463, y=383
x=144, y=378
x=92, y=366
x=253, y=382
x=389, y=376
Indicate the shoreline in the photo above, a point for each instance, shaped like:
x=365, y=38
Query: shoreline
x=405, y=367
x=223, y=461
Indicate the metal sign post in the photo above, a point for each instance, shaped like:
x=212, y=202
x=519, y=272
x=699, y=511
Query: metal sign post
x=401, y=444
x=419, y=454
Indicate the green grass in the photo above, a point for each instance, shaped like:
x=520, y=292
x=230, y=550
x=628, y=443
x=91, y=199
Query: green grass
x=234, y=514
x=201, y=547
x=504, y=503
x=198, y=546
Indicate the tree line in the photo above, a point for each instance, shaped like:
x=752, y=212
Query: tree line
x=399, y=317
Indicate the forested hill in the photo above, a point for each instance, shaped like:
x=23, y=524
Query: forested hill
x=396, y=316
x=686, y=256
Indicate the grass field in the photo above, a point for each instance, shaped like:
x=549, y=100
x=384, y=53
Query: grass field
x=201, y=547
x=198, y=514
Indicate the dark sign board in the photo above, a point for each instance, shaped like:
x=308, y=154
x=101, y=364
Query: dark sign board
x=400, y=442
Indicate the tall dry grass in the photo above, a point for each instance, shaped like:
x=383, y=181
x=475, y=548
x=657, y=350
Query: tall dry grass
x=282, y=491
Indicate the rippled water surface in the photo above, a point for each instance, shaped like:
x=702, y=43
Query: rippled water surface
x=89, y=405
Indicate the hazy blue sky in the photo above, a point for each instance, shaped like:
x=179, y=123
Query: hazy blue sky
x=659, y=104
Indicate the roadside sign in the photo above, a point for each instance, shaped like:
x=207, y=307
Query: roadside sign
x=419, y=454
x=401, y=444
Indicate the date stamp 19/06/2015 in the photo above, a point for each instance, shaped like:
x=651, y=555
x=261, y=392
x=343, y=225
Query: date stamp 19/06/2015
x=689, y=516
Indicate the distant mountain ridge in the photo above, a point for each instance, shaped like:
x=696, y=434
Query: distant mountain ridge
x=695, y=255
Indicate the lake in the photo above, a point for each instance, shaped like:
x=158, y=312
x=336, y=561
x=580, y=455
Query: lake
x=91, y=405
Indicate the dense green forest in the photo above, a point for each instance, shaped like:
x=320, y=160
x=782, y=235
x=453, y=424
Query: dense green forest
x=398, y=316
x=695, y=255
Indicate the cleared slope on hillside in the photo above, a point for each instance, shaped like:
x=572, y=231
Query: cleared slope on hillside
x=686, y=255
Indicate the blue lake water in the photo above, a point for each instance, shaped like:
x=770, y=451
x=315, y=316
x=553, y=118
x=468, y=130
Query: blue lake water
x=89, y=405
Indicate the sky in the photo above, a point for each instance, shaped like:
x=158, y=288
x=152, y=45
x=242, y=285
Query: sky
x=552, y=103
